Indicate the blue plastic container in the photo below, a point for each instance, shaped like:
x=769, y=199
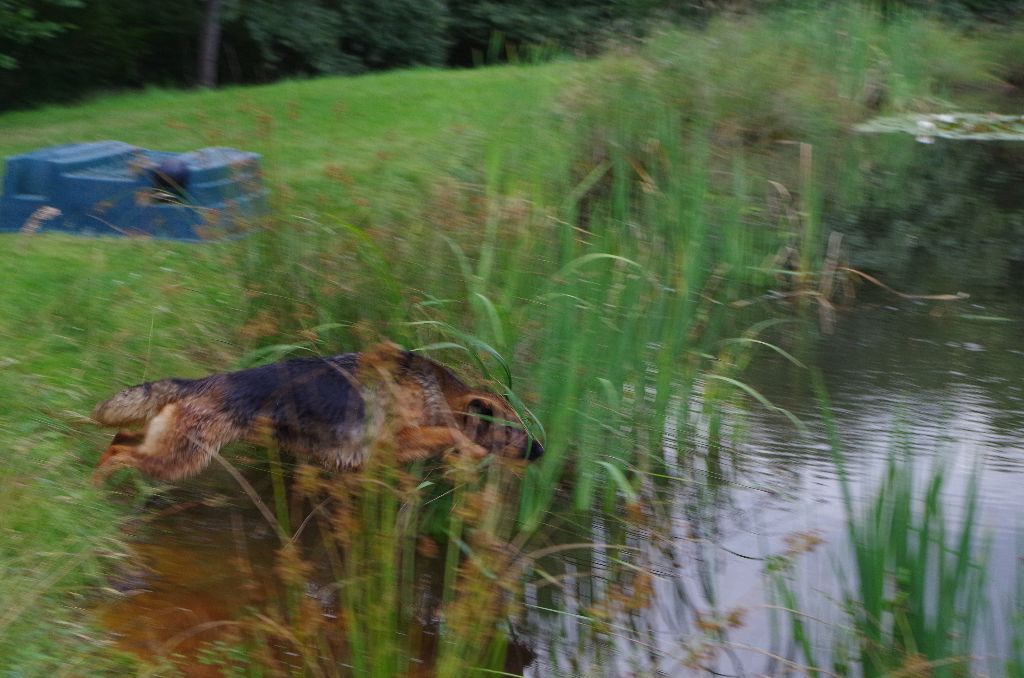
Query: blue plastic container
x=114, y=188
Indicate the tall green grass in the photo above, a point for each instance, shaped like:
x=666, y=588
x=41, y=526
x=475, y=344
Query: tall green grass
x=601, y=334
x=913, y=589
x=919, y=575
x=1014, y=665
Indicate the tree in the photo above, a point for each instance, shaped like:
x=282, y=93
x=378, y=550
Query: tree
x=393, y=33
x=291, y=36
x=20, y=24
x=209, y=45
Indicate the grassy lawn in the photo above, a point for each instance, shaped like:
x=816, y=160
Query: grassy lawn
x=84, y=316
x=330, y=143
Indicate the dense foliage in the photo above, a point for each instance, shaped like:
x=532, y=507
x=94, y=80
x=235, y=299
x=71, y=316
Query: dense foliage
x=52, y=50
x=20, y=25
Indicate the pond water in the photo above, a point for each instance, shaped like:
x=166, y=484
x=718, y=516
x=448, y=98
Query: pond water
x=942, y=381
x=931, y=380
x=199, y=565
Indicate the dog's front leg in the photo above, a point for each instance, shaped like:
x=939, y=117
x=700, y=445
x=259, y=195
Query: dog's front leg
x=118, y=454
x=420, y=442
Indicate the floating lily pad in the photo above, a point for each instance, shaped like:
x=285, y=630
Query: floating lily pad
x=972, y=126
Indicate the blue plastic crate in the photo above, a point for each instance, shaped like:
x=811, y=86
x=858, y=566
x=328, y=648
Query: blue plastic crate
x=114, y=188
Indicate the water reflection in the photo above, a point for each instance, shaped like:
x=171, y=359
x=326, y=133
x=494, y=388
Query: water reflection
x=941, y=388
x=950, y=383
x=942, y=216
x=197, y=569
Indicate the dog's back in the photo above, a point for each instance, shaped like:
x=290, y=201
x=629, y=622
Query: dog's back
x=311, y=405
x=308, y=405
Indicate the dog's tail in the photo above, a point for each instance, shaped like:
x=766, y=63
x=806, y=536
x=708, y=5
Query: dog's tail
x=138, y=404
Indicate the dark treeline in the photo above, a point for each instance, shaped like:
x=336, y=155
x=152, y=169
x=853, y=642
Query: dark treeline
x=58, y=50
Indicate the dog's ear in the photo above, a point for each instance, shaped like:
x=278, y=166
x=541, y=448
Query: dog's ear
x=477, y=412
x=480, y=407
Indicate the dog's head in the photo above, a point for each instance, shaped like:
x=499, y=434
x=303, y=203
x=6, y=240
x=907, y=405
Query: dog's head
x=491, y=423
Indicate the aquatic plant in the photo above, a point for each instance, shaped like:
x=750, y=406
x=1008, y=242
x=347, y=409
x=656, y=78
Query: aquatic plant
x=966, y=126
x=913, y=588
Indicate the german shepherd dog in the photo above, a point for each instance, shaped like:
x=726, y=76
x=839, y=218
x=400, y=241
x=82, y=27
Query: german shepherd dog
x=333, y=409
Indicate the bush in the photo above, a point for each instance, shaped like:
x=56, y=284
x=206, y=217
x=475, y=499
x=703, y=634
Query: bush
x=393, y=33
